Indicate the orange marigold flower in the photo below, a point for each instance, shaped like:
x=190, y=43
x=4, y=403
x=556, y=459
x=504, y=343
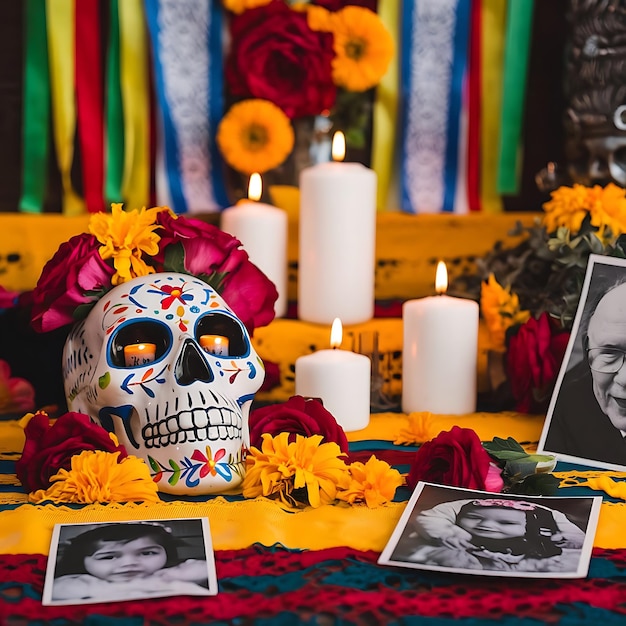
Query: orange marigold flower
x=255, y=136
x=500, y=309
x=239, y=6
x=280, y=468
x=608, y=209
x=96, y=476
x=567, y=207
x=363, y=46
x=374, y=483
x=420, y=428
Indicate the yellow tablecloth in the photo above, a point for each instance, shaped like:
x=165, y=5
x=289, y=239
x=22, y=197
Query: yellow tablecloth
x=27, y=528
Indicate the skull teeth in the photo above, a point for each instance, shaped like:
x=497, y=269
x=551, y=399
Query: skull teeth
x=190, y=426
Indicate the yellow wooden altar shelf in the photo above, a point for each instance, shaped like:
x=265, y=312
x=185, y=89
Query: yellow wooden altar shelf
x=283, y=341
x=407, y=246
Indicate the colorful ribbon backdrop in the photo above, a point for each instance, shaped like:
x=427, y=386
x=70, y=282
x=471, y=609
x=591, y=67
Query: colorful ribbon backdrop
x=133, y=91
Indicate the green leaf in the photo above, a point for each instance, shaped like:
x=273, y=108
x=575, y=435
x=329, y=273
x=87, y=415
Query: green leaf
x=498, y=444
x=536, y=484
x=174, y=260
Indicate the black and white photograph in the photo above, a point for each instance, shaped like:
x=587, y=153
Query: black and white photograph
x=586, y=418
x=494, y=534
x=113, y=562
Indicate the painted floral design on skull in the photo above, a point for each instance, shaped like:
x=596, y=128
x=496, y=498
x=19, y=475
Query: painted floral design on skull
x=183, y=409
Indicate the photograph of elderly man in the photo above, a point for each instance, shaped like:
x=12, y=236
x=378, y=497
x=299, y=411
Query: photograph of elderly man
x=587, y=415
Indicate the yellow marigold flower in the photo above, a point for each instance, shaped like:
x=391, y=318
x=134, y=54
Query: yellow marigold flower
x=255, y=136
x=281, y=467
x=420, y=428
x=568, y=207
x=500, y=309
x=318, y=468
x=125, y=236
x=363, y=46
x=239, y=6
x=608, y=209
x=96, y=476
x=375, y=483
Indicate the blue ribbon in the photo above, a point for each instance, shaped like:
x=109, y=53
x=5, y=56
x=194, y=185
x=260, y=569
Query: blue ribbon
x=416, y=84
x=455, y=101
x=214, y=106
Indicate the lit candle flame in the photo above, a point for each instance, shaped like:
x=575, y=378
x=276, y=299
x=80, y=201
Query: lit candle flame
x=338, y=149
x=441, y=278
x=336, y=333
x=255, y=187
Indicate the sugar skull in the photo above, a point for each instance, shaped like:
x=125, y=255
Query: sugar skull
x=182, y=403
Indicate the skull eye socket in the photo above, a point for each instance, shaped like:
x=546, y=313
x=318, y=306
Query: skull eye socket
x=141, y=331
x=225, y=326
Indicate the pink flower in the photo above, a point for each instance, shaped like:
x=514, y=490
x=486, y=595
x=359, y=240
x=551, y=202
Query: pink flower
x=17, y=394
x=216, y=256
x=76, y=275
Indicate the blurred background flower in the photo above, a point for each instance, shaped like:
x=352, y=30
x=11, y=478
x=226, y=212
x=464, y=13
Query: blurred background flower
x=319, y=63
x=529, y=293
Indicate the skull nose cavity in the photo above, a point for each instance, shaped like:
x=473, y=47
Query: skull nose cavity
x=191, y=365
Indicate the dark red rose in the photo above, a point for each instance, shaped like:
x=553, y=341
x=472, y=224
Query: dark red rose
x=66, y=281
x=277, y=57
x=534, y=357
x=297, y=416
x=272, y=376
x=455, y=458
x=211, y=252
x=51, y=448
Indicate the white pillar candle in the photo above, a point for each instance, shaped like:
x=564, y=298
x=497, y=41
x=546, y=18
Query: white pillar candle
x=262, y=230
x=340, y=378
x=440, y=345
x=337, y=242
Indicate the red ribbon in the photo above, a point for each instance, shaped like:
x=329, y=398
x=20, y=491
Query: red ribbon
x=89, y=102
x=474, y=88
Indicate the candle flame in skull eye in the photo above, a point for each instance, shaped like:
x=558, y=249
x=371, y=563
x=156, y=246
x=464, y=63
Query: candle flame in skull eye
x=336, y=333
x=255, y=187
x=338, y=149
x=441, y=278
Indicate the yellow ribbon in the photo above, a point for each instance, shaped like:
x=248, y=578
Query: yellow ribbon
x=493, y=26
x=60, y=16
x=385, y=111
x=136, y=105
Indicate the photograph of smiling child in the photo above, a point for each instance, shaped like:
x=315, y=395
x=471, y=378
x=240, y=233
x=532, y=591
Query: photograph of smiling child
x=477, y=532
x=130, y=560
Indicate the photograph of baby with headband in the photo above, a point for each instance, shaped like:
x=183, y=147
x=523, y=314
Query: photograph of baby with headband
x=462, y=530
x=111, y=562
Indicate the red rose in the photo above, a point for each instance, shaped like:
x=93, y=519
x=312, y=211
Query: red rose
x=277, y=57
x=534, y=357
x=455, y=458
x=209, y=251
x=66, y=281
x=272, y=376
x=51, y=448
x=298, y=417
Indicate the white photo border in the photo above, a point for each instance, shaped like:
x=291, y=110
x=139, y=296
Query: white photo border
x=51, y=567
x=595, y=260
x=430, y=490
